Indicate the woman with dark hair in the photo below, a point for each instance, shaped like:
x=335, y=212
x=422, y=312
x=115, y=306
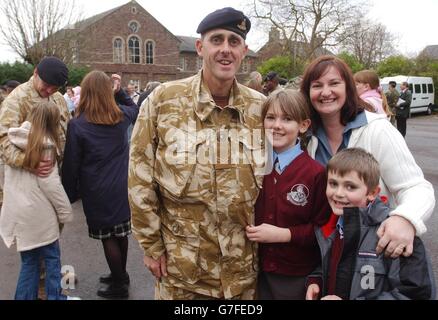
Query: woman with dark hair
x=96, y=170
x=340, y=121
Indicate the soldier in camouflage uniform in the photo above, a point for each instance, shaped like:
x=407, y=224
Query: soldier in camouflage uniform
x=194, y=173
x=50, y=74
x=392, y=96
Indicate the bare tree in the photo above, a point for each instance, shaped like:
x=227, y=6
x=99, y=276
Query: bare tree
x=369, y=42
x=309, y=24
x=36, y=28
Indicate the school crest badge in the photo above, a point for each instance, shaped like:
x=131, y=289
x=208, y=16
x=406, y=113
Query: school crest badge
x=298, y=195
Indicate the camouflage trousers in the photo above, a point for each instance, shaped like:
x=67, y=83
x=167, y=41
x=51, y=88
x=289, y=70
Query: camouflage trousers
x=165, y=291
x=392, y=118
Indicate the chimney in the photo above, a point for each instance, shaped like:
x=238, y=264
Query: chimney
x=274, y=35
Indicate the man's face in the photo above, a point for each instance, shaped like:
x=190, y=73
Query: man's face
x=222, y=52
x=270, y=85
x=130, y=89
x=44, y=89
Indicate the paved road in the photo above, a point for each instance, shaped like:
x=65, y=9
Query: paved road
x=86, y=255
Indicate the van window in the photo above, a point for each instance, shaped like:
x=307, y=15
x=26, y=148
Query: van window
x=424, y=88
x=411, y=88
x=430, y=87
x=417, y=88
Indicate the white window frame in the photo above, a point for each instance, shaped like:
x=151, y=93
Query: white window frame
x=132, y=55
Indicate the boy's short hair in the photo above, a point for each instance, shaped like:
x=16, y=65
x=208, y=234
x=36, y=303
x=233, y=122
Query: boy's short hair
x=356, y=160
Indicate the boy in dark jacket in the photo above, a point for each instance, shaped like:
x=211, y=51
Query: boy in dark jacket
x=351, y=268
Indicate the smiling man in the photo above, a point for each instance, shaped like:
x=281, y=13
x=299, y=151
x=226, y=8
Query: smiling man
x=193, y=181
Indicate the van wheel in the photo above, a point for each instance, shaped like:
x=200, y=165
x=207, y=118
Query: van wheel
x=429, y=110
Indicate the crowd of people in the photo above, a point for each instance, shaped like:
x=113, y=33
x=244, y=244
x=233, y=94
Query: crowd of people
x=232, y=191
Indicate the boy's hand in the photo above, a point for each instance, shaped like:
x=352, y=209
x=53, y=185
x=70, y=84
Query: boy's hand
x=312, y=292
x=267, y=233
x=332, y=297
x=396, y=236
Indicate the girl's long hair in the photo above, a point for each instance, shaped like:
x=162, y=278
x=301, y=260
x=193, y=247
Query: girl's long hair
x=44, y=117
x=372, y=78
x=97, y=100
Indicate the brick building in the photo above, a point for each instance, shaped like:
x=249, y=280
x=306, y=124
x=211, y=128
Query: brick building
x=430, y=52
x=275, y=46
x=129, y=41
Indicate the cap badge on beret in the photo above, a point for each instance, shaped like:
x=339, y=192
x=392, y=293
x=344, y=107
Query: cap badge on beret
x=242, y=25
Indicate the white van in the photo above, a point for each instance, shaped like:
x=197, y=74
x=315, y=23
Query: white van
x=422, y=88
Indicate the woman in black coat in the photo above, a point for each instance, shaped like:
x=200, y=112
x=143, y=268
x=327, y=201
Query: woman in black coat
x=95, y=169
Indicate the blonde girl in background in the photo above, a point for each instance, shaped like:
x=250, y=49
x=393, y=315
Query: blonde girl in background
x=34, y=207
x=369, y=90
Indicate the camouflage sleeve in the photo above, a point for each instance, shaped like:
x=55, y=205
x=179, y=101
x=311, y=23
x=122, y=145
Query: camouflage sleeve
x=10, y=117
x=65, y=119
x=142, y=188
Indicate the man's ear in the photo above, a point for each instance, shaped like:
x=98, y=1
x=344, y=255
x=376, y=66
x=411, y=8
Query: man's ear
x=199, y=46
x=373, y=194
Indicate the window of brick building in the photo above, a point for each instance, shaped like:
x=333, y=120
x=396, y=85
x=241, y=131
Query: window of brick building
x=118, y=51
x=134, y=50
x=183, y=64
x=245, y=66
x=150, y=48
x=198, y=63
x=133, y=26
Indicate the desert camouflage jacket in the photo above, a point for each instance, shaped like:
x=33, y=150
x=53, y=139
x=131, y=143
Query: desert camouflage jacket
x=15, y=110
x=194, y=176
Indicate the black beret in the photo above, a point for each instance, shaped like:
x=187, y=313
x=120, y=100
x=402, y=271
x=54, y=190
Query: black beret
x=271, y=76
x=12, y=84
x=53, y=71
x=228, y=19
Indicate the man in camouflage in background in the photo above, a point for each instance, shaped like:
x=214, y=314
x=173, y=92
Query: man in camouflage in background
x=49, y=75
x=392, y=96
x=190, y=199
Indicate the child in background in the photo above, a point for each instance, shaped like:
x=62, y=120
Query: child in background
x=68, y=97
x=34, y=207
x=369, y=90
x=351, y=268
x=290, y=204
x=77, y=96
